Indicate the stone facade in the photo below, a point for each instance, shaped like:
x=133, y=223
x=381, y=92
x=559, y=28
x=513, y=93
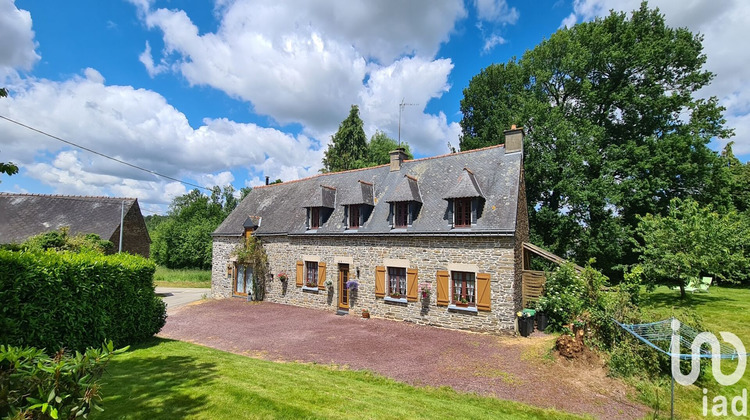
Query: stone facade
x=495, y=255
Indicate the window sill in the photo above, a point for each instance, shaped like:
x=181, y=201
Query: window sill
x=352, y=229
x=394, y=300
x=310, y=289
x=470, y=309
x=312, y=230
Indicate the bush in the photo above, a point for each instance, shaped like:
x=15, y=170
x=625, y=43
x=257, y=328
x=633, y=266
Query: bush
x=562, y=300
x=58, y=299
x=36, y=386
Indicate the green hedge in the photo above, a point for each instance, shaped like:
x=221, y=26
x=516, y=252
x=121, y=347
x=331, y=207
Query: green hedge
x=52, y=300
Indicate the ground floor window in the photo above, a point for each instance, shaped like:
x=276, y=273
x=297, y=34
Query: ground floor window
x=243, y=280
x=396, y=282
x=464, y=288
x=311, y=274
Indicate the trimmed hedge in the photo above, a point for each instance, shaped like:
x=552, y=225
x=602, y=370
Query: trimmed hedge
x=54, y=299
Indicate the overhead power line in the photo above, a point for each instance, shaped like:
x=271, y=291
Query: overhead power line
x=102, y=154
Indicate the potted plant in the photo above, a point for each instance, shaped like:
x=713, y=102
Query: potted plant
x=424, y=291
x=309, y=283
x=352, y=285
x=329, y=284
x=542, y=319
x=395, y=295
x=461, y=301
x=282, y=277
x=365, y=313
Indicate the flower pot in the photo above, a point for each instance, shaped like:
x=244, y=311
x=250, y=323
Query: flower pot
x=462, y=305
x=525, y=326
x=541, y=321
x=365, y=314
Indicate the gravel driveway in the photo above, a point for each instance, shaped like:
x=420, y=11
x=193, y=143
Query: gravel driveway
x=512, y=368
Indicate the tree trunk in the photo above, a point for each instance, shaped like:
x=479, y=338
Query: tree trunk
x=682, y=289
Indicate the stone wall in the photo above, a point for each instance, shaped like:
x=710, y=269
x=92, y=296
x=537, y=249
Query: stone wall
x=493, y=255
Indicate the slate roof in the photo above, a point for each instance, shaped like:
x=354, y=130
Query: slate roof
x=281, y=206
x=406, y=190
x=466, y=187
x=361, y=195
x=26, y=215
x=321, y=196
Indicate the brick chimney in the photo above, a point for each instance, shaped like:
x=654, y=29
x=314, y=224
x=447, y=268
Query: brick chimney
x=398, y=156
x=513, y=140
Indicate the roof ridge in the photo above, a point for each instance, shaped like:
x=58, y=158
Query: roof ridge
x=72, y=197
x=380, y=166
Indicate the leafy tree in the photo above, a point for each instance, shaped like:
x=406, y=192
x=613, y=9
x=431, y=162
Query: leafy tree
x=691, y=241
x=348, y=149
x=244, y=191
x=7, y=168
x=613, y=129
x=379, y=148
x=184, y=239
x=61, y=240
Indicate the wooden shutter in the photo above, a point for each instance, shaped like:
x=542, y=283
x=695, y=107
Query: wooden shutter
x=321, y=276
x=412, y=284
x=379, y=281
x=300, y=273
x=443, y=288
x=483, y=292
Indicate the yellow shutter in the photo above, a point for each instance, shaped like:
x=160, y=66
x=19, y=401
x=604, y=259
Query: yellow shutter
x=300, y=273
x=412, y=284
x=443, y=288
x=483, y=292
x=379, y=281
x=321, y=276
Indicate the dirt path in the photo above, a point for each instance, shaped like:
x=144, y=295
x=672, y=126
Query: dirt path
x=512, y=368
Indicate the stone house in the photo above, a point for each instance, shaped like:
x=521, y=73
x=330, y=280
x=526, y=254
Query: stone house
x=453, y=224
x=25, y=215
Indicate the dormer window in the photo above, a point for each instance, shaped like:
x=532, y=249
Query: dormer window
x=405, y=201
x=319, y=207
x=465, y=201
x=358, y=203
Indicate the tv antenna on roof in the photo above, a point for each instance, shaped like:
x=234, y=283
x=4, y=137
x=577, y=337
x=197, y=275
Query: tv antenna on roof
x=400, y=110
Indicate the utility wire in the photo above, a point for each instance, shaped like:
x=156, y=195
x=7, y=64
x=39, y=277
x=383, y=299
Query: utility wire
x=102, y=154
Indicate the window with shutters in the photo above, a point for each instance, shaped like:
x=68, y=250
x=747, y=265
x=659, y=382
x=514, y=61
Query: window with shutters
x=311, y=274
x=464, y=288
x=354, y=216
x=397, y=282
x=462, y=212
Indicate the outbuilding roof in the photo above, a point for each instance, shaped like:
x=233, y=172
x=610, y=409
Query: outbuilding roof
x=428, y=180
x=26, y=215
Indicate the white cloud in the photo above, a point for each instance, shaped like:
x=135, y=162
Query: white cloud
x=139, y=127
x=491, y=42
x=148, y=62
x=723, y=27
x=496, y=11
x=17, y=48
x=305, y=62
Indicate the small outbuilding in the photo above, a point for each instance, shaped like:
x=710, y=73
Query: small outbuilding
x=25, y=215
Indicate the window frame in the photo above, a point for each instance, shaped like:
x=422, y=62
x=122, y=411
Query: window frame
x=462, y=212
x=401, y=208
x=465, y=291
x=311, y=268
x=314, y=221
x=353, y=214
x=397, y=274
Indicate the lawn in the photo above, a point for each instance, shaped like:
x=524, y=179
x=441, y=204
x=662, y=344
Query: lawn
x=722, y=309
x=168, y=379
x=167, y=277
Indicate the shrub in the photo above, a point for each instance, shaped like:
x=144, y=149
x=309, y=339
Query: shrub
x=562, y=299
x=58, y=299
x=61, y=240
x=36, y=386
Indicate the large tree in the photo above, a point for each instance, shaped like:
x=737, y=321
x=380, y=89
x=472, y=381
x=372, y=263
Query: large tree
x=183, y=240
x=348, y=149
x=613, y=129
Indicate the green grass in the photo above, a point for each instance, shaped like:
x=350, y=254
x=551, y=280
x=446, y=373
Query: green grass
x=722, y=309
x=168, y=277
x=168, y=379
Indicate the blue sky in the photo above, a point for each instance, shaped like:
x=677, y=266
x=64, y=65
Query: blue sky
x=226, y=92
